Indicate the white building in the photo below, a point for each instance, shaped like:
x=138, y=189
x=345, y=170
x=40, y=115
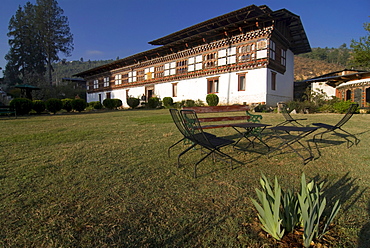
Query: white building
x=246, y=56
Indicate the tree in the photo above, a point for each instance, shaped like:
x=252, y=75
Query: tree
x=361, y=50
x=25, y=60
x=37, y=34
x=54, y=31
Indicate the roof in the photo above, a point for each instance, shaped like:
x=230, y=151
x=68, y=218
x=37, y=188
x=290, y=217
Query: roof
x=217, y=28
x=336, y=78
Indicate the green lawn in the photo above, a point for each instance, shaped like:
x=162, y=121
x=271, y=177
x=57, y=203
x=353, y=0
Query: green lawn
x=104, y=180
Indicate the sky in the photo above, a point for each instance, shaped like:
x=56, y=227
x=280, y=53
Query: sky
x=107, y=29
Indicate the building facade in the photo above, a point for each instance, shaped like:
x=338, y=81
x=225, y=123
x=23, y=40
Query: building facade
x=246, y=56
x=353, y=85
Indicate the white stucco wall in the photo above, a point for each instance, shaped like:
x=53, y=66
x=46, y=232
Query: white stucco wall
x=323, y=87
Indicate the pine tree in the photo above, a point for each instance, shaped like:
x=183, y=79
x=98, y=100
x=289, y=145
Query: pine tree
x=54, y=32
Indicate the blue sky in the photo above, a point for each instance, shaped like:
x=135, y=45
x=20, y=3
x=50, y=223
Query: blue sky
x=107, y=29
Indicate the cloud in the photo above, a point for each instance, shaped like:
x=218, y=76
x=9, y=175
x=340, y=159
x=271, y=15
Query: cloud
x=94, y=52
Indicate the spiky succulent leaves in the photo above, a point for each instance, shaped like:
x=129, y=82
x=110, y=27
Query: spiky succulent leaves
x=311, y=209
x=332, y=215
x=269, y=210
x=290, y=215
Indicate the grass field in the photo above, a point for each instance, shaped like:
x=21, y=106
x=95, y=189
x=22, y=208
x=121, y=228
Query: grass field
x=104, y=180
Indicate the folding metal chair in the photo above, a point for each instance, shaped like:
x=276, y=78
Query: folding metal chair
x=177, y=119
x=288, y=118
x=335, y=128
x=195, y=133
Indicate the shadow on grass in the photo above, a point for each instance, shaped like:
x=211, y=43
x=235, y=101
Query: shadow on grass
x=343, y=190
x=364, y=236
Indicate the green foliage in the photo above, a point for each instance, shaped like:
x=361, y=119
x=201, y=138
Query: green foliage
x=342, y=106
x=361, y=50
x=38, y=106
x=332, y=55
x=281, y=211
x=269, y=210
x=112, y=103
x=167, y=102
x=22, y=105
x=212, y=99
x=79, y=104
x=261, y=108
x=133, y=102
x=54, y=105
x=96, y=105
x=153, y=102
x=67, y=104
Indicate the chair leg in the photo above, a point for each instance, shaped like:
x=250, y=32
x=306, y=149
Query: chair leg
x=183, y=152
x=168, y=150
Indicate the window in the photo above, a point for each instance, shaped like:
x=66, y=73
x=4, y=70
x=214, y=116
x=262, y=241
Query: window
x=272, y=50
x=241, y=82
x=118, y=79
x=212, y=85
x=273, y=80
x=348, y=95
x=132, y=76
x=159, y=71
x=227, y=56
x=108, y=95
x=169, y=69
x=247, y=53
x=182, y=67
x=283, y=57
x=210, y=60
x=195, y=63
x=149, y=73
x=261, y=48
x=106, y=82
x=174, y=90
x=96, y=84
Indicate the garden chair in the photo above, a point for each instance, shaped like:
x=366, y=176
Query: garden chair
x=195, y=134
x=288, y=118
x=177, y=119
x=335, y=128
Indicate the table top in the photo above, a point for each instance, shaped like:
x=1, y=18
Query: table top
x=293, y=128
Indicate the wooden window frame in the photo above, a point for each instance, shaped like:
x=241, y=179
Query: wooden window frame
x=213, y=85
x=240, y=76
x=174, y=90
x=273, y=80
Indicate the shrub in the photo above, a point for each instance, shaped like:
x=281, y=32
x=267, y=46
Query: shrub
x=96, y=105
x=112, y=103
x=38, y=106
x=167, y=102
x=67, y=104
x=189, y=103
x=133, y=102
x=22, y=105
x=212, y=99
x=54, y=105
x=342, y=106
x=153, y=102
x=79, y=104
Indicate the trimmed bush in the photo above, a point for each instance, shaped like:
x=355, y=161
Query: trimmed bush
x=112, y=103
x=96, y=105
x=167, y=102
x=79, y=104
x=38, y=106
x=67, y=104
x=22, y=105
x=212, y=99
x=54, y=105
x=133, y=102
x=342, y=106
x=153, y=102
x=189, y=103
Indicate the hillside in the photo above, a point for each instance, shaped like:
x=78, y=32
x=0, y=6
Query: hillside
x=305, y=68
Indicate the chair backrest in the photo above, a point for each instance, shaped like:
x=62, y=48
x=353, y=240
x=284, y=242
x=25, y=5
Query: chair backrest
x=194, y=129
x=351, y=110
x=253, y=118
x=284, y=111
x=177, y=119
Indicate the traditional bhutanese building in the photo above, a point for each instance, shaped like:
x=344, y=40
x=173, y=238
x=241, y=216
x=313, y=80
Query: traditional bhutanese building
x=353, y=85
x=246, y=56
